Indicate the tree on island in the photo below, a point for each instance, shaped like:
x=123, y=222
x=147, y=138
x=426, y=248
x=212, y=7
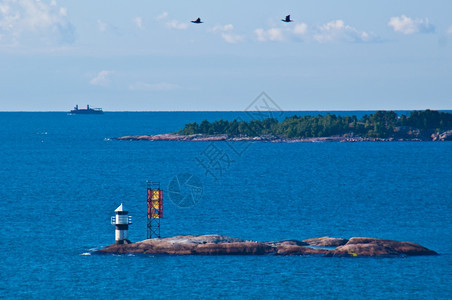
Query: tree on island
x=382, y=124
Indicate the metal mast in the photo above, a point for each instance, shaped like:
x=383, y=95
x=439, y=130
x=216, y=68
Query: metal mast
x=155, y=209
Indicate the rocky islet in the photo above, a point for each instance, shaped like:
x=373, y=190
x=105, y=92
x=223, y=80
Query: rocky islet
x=223, y=245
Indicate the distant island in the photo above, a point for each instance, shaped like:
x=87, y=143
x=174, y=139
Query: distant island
x=427, y=125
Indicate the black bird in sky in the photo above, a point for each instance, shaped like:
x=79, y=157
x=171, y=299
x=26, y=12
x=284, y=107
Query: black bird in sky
x=197, y=21
x=287, y=19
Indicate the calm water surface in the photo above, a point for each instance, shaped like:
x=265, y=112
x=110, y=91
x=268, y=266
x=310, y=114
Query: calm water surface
x=62, y=177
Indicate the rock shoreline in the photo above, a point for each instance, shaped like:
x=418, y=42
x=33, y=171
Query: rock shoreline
x=446, y=136
x=223, y=245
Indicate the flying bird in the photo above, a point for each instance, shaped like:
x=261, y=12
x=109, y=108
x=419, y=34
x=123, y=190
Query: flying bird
x=197, y=21
x=287, y=19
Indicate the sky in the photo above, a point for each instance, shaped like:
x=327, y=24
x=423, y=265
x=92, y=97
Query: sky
x=147, y=55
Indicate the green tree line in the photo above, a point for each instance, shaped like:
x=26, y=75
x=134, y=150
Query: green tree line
x=380, y=124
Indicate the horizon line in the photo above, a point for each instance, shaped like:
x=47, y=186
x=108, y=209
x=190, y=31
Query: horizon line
x=313, y=110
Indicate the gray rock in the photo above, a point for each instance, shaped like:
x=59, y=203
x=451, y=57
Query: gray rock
x=326, y=242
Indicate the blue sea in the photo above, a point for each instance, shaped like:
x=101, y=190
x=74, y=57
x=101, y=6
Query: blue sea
x=62, y=176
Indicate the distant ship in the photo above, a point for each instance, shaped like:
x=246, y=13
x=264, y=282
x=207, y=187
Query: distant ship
x=87, y=111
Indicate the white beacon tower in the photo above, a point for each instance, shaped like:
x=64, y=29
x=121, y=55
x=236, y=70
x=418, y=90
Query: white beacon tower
x=122, y=221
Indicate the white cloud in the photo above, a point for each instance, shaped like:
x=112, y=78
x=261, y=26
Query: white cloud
x=260, y=34
x=63, y=12
x=108, y=28
x=102, y=26
x=272, y=34
x=275, y=34
x=139, y=22
x=232, y=38
x=334, y=31
x=162, y=16
x=449, y=31
x=338, y=31
x=173, y=24
x=176, y=25
x=161, y=86
x=300, y=29
x=35, y=22
x=102, y=78
x=222, y=28
x=406, y=25
x=227, y=34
